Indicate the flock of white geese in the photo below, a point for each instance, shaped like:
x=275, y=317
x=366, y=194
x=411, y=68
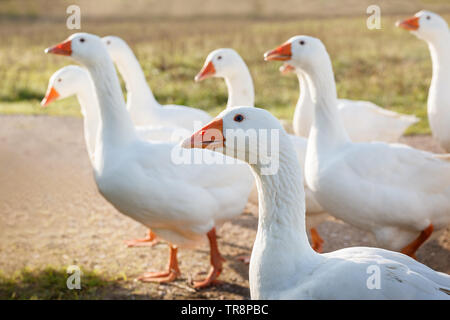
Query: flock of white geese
x=331, y=165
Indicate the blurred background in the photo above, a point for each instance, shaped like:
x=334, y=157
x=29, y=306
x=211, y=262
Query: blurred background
x=172, y=38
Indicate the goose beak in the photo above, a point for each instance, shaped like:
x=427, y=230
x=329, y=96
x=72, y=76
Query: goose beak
x=208, y=137
x=64, y=48
x=207, y=71
x=410, y=24
x=286, y=68
x=282, y=53
x=50, y=96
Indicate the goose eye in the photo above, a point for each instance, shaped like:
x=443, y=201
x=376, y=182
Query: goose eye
x=108, y=42
x=238, y=118
x=82, y=40
x=428, y=17
x=219, y=58
x=59, y=79
x=302, y=42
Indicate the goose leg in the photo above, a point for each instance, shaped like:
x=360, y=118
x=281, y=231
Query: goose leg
x=411, y=248
x=216, y=262
x=165, y=276
x=317, y=241
x=148, y=241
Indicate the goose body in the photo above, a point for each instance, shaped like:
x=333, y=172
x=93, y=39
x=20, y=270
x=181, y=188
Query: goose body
x=433, y=29
x=398, y=193
x=150, y=181
x=363, y=120
x=283, y=265
x=142, y=105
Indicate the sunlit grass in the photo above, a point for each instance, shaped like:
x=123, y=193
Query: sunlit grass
x=389, y=67
x=51, y=283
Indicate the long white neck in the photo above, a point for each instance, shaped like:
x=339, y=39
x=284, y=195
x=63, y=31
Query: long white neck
x=91, y=117
x=115, y=128
x=139, y=94
x=327, y=131
x=281, y=247
x=240, y=87
x=304, y=110
x=439, y=93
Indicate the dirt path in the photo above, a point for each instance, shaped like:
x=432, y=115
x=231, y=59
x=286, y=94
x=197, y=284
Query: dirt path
x=52, y=215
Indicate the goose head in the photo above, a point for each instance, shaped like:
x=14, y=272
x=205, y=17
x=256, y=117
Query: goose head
x=117, y=47
x=300, y=52
x=220, y=63
x=245, y=133
x=64, y=83
x=83, y=47
x=425, y=25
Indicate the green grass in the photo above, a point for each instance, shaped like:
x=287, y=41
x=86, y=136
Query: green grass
x=51, y=283
x=389, y=67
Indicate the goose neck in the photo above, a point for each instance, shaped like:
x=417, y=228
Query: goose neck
x=90, y=110
x=440, y=53
x=240, y=88
x=281, y=235
x=304, y=109
x=327, y=131
x=135, y=81
x=116, y=127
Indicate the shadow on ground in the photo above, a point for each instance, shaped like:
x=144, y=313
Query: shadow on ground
x=51, y=283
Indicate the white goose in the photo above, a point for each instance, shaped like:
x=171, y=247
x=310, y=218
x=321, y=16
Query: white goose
x=74, y=80
x=141, y=103
x=398, y=193
x=147, y=181
x=363, y=120
x=226, y=63
x=433, y=29
x=283, y=265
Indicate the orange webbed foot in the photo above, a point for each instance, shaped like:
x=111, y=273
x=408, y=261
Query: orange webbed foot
x=148, y=241
x=317, y=241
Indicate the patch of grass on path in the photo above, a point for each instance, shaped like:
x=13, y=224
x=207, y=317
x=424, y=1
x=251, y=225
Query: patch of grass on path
x=51, y=283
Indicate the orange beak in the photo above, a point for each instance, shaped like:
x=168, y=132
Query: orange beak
x=207, y=71
x=64, y=48
x=409, y=24
x=286, y=68
x=50, y=96
x=208, y=137
x=282, y=53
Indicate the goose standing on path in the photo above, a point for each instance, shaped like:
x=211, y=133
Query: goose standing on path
x=141, y=103
x=74, y=80
x=283, y=265
x=398, y=193
x=181, y=203
x=226, y=63
x=433, y=29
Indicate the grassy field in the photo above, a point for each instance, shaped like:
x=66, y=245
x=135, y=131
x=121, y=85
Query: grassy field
x=171, y=39
x=389, y=66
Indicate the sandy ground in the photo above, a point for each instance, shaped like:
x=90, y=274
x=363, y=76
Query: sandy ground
x=51, y=214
